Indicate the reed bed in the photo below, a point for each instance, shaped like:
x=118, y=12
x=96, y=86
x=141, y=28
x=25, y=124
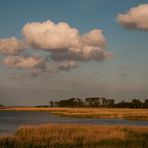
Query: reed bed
x=77, y=136
x=128, y=114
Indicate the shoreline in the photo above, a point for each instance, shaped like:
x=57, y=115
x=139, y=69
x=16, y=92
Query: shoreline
x=94, y=113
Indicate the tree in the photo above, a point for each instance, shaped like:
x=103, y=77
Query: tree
x=1, y=105
x=88, y=102
x=93, y=102
x=146, y=103
x=51, y=103
x=110, y=102
x=80, y=102
x=56, y=103
x=72, y=102
x=124, y=104
x=136, y=103
x=104, y=101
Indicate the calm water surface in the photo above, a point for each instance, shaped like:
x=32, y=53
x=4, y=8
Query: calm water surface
x=10, y=121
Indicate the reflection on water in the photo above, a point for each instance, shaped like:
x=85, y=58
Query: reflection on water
x=10, y=121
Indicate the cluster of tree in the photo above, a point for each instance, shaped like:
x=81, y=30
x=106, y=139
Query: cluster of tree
x=88, y=102
x=98, y=102
x=135, y=103
x=1, y=105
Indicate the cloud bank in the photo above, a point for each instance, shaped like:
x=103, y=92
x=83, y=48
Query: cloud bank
x=65, y=42
x=23, y=62
x=11, y=45
x=135, y=18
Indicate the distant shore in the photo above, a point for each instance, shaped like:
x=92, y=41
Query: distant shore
x=116, y=113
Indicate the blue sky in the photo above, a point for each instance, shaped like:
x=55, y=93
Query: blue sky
x=122, y=76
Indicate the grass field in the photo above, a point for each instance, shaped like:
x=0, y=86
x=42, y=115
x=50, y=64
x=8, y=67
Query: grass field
x=129, y=114
x=74, y=136
x=79, y=136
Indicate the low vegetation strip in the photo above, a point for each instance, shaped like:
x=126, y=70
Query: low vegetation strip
x=128, y=114
x=73, y=136
x=116, y=113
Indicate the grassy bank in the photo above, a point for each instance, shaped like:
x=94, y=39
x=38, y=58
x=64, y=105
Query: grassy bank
x=129, y=114
x=66, y=136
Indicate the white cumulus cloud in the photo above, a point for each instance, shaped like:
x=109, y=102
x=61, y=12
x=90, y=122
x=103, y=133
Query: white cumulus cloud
x=23, y=62
x=65, y=42
x=50, y=36
x=135, y=18
x=11, y=45
x=66, y=47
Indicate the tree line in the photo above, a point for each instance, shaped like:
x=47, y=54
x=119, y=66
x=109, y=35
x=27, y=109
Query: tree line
x=97, y=102
x=1, y=105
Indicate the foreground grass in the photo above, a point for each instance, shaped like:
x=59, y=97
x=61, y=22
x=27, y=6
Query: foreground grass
x=129, y=114
x=74, y=136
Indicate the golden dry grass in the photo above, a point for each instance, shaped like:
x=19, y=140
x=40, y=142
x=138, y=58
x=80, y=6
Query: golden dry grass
x=67, y=136
x=130, y=114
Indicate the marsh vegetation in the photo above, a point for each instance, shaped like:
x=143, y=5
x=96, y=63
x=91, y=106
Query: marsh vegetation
x=65, y=136
x=116, y=113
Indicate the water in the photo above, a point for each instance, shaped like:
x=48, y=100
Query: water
x=11, y=121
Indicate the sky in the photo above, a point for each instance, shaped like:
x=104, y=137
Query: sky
x=51, y=49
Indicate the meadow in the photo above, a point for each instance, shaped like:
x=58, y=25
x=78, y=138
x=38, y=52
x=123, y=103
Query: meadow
x=116, y=113
x=77, y=136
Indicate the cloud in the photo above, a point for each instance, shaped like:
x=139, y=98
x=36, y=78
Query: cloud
x=24, y=62
x=93, y=38
x=50, y=36
x=67, y=66
x=87, y=55
x=66, y=47
x=11, y=45
x=135, y=18
x=65, y=42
